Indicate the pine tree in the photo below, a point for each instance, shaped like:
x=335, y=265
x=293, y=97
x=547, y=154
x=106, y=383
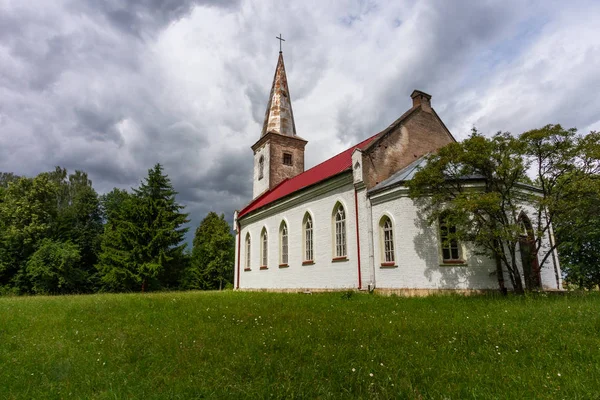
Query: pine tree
x=143, y=238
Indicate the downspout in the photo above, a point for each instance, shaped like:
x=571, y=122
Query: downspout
x=357, y=237
x=371, y=249
x=239, y=239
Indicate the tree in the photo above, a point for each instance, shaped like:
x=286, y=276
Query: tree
x=54, y=268
x=567, y=169
x=142, y=241
x=27, y=212
x=212, y=255
x=481, y=185
x=79, y=217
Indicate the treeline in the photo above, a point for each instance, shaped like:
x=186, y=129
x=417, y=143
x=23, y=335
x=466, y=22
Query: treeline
x=58, y=236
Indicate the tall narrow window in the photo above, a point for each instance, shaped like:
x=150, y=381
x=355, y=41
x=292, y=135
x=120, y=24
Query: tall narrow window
x=387, y=238
x=283, y=239
x=263, y=249
x=450, y=245
x=340, y=232
x=247, y=251
x=308, y=238
x=261, y=167
x=287, y=159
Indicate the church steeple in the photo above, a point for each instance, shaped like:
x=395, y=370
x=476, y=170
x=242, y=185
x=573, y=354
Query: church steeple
x=279, y=117
x=279, y=152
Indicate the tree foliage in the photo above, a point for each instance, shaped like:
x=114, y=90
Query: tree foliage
x=482, y=185
x=212, y=255
x=142, y=244
x=55, y=268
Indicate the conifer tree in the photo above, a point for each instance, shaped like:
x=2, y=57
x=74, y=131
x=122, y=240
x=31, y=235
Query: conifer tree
x=142, y=244
x=212, y=255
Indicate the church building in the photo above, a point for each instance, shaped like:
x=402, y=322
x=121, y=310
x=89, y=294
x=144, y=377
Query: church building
x=348, y=223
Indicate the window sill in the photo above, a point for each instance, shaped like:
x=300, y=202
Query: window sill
x=388, y=265
x=264, y=267
x=453, y=263
x=247, y=269
x=283, y=265
x=309, y=262
x=339, y=259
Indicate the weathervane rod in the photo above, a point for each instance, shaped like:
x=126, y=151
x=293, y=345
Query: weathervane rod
x=280, y=40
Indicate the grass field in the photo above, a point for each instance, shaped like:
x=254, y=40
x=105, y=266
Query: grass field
x=259, y=345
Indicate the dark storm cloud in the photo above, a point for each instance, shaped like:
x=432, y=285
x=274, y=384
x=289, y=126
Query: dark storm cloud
x=112, y=87
x=141, y=17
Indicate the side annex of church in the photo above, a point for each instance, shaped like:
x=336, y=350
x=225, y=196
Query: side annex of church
x=348, y=223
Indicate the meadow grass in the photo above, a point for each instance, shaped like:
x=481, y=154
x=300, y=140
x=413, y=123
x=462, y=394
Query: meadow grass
x=257, y=345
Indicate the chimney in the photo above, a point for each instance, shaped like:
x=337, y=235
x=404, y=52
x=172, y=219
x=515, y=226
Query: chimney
x=421, y=98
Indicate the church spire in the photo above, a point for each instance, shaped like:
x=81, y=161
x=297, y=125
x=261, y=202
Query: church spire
x=279, y=117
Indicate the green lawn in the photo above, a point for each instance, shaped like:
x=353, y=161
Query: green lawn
x=258, y=345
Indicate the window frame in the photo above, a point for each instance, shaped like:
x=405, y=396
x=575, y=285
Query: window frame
x=283, y=244
x=261, y=167
x=264, y=249
x=340, y=237
x=290, y=159
x=383, y=241
x=248, y=245
x=308, y=240
x=459, y=259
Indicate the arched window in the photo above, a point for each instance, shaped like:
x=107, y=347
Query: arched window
x=527, y=248
x=263, y=249
x=247, y=251
x=308, y=238
x=283, y=244
x=261, y=167
x=387, y=240
x=340, y=231
x=451, y=252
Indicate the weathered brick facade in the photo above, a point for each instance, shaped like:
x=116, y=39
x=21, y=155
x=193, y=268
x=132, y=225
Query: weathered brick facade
x=418, y=132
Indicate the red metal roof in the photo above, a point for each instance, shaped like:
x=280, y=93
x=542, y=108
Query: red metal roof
x=316, y=174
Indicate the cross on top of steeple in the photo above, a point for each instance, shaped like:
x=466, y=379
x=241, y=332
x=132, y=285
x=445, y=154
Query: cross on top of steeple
x=280, y=40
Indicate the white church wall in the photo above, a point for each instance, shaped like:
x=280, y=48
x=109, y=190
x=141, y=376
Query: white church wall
x=417, y=254
x=324, y=273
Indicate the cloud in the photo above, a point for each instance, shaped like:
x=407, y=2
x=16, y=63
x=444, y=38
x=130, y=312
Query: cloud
x=112, y=87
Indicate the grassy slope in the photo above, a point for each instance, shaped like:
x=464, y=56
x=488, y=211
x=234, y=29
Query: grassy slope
x=184, y=345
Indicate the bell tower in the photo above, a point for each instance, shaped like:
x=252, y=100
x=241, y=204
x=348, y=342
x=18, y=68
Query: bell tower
x=279, y=153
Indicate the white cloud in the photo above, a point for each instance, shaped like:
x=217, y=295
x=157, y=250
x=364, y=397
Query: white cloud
x=112, y=88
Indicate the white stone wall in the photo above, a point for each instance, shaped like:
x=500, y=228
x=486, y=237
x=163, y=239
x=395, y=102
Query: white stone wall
x=418, y=254
x=324, y=273
x=416, y=246
x=259, y=186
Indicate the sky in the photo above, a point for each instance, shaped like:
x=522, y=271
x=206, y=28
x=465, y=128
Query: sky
x=112, y=87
